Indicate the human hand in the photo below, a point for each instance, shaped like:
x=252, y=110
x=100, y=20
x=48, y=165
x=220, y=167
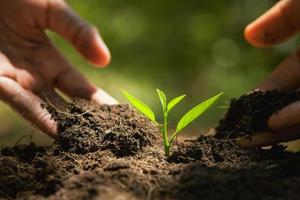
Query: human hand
x=275, y=26
x=30, y=65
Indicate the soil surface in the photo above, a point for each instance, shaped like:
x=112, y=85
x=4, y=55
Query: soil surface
x=113, y=152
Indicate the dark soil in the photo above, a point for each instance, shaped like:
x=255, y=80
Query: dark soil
x=249, y=114
x=87, y=128
x=113, y=152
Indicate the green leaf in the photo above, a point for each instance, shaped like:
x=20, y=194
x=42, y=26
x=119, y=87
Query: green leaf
x=174, y=102
x=163, y=99
x=195, y=112
x=142, y=107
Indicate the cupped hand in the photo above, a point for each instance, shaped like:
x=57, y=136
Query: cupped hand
x=32, y=68
x=276, y=26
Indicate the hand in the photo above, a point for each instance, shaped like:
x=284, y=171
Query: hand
x=31, y=67
x=275, y=26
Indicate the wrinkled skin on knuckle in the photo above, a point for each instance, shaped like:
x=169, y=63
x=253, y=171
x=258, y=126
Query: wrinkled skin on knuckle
x=43, y=118
x=18, y=97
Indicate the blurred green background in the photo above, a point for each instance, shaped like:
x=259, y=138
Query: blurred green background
x=189, y=47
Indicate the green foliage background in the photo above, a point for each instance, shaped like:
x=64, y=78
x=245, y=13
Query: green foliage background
x=189, y=47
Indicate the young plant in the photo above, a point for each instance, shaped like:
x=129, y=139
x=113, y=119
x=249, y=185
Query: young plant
x=189, y=117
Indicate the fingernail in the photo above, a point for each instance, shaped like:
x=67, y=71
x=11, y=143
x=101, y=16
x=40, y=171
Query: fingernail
x=101, y=97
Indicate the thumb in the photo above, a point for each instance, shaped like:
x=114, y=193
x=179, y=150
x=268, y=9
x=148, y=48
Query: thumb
x=85, y=38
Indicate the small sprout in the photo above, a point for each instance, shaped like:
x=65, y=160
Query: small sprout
x=188, y=118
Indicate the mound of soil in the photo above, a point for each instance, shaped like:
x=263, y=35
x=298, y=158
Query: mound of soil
x=249, y=114
x=113, y=152
x=86, y=127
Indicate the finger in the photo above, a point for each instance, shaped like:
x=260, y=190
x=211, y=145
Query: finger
x=74, y=84
x=276, y=25
x=27, y=104
x=84, y=37
x=286, y=76
x=270, y=138
x=286, y=117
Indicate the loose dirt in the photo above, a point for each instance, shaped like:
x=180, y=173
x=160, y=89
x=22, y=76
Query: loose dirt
x=113, y=152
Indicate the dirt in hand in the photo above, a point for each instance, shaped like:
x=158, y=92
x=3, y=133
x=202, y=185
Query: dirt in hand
x=249, y=114
x=113, y=152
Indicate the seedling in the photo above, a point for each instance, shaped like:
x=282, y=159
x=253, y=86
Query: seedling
x=189, y=117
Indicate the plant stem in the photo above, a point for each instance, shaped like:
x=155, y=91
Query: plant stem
x=165, y=135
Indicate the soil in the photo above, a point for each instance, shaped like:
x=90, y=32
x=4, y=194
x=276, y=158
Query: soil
x=113, y=152
x=249, y=114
